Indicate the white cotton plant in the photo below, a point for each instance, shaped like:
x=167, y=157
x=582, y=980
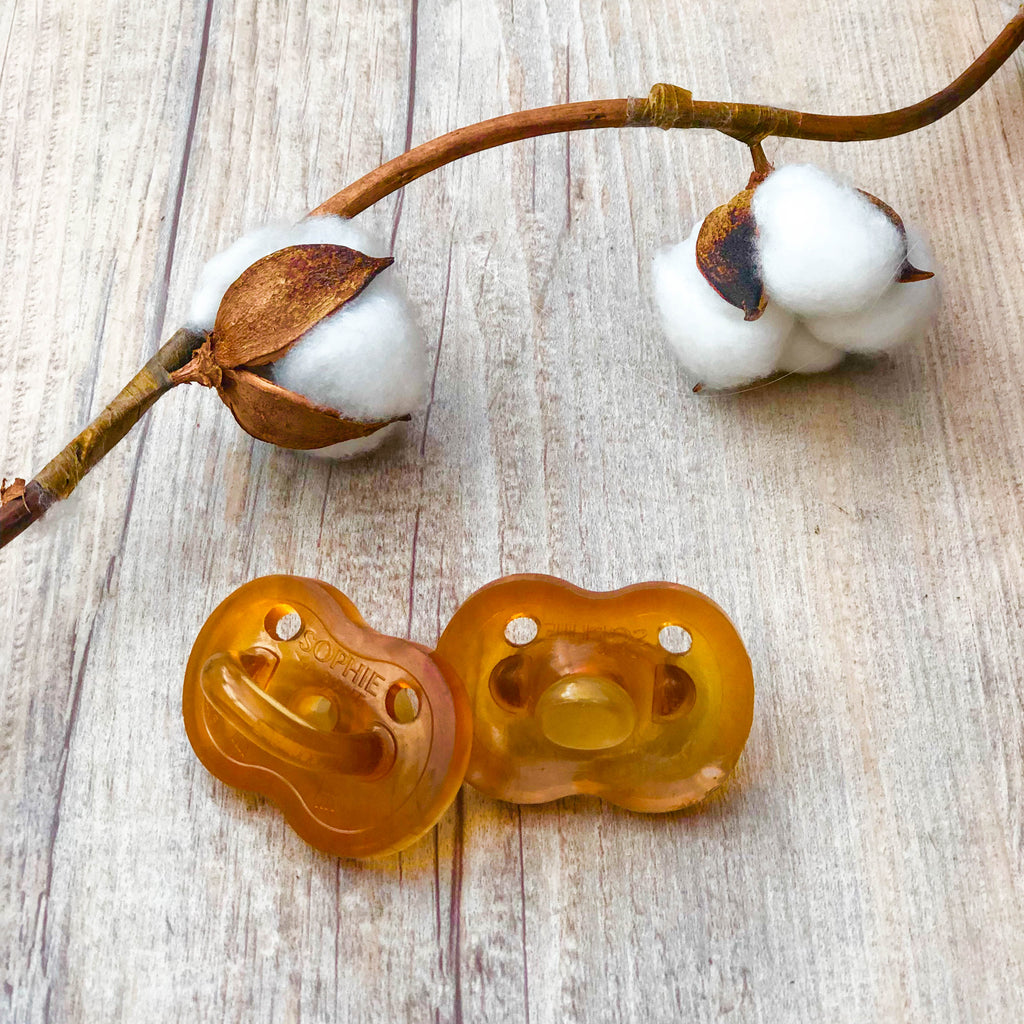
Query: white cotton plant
x=366, y=360
x=832, y=270
x=802, y=352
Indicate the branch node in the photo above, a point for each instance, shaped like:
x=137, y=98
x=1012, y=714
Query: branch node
x=666, y=106
x=202, y=368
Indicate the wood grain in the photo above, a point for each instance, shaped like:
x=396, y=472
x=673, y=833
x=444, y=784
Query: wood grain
x=864, y=529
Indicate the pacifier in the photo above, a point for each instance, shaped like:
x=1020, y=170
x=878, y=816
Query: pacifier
x=642, y=696
x=361, y=739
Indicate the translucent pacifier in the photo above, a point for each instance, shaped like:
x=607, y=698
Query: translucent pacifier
x=643, y=696
x=361, y=739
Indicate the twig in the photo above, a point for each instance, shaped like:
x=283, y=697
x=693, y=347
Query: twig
x=669, y=106
x=61, y=475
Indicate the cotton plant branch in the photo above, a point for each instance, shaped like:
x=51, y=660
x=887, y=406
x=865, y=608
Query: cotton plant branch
x=189, y=356
x=24, y=503
x=669, y=106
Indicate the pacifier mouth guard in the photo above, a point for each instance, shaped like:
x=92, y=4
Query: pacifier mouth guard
x=358, y=737
x=642, y=695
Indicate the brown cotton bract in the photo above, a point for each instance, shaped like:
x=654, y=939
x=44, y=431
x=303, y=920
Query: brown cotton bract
x=727, y=252
x=907, y=272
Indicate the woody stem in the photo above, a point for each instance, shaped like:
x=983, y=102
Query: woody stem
x=672, y=107
x=59, y=477
x=762, y=166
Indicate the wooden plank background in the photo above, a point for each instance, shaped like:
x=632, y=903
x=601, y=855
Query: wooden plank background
x=864, y=528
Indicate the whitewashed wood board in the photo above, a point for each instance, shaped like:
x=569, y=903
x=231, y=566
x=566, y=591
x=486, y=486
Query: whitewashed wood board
x=864, y=529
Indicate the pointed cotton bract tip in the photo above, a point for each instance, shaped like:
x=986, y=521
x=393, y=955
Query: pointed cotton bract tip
x=901, y=314
x=825, y=248
x=708, y=335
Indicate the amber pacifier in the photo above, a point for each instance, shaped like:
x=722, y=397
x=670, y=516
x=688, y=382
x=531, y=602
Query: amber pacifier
x=643, y=696
x=361, y=739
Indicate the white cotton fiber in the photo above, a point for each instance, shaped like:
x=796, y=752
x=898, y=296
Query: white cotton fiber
x=710, y=337
x=824, y=248
x=803, y=353
x=219, y=273
x=901, y=314
x=359, y=445
x=367, y=360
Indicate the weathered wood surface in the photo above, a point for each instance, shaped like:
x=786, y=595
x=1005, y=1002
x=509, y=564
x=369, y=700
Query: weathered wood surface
x=864, y=529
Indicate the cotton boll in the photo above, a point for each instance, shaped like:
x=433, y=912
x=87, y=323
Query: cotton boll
x=367, y=360
x=709, y=336
x=902, y=313
x=803, y=353
x=824, y=248
x=226, y=267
